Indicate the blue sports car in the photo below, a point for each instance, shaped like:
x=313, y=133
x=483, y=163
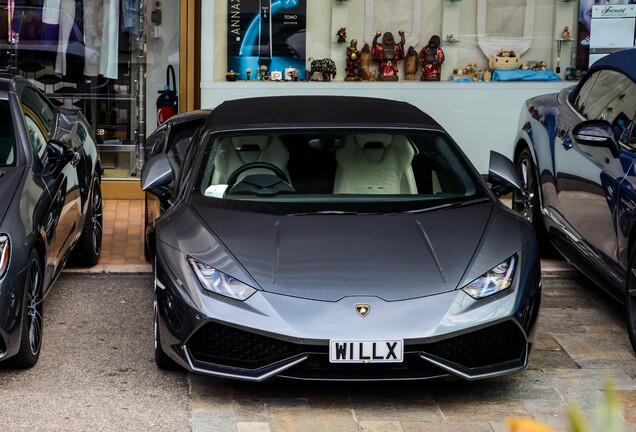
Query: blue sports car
x=576, y=155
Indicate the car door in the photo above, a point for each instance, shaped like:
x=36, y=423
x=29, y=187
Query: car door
x=59, y=172
x=173, y=139
x=589, y=177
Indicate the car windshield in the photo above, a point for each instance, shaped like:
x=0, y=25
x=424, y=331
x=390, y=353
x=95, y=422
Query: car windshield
x=7, y=138
x=335, y=171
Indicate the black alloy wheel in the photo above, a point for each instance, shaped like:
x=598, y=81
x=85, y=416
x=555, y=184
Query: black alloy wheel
x=89, y=247
x=526, y=200
x=32, y=323
x=630, y=301
x=146, y=248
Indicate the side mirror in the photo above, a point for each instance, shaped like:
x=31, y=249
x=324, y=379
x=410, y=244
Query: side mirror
x=502, y=174
x=597, y=133
x=156, y=175
x=60, y=150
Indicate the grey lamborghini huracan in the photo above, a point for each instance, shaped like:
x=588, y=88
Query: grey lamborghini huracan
x=337, y=238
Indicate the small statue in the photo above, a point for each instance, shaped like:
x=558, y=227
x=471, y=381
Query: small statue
x=354, y=62
x=487, y=75
x=248, y=72
x=342, y=35
x=365, y=56
x=411, y=64
x=566, y=33
x=432, y=58
x=388, y=53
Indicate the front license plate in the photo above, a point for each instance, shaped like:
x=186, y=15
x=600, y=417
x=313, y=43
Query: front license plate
x=377, y=351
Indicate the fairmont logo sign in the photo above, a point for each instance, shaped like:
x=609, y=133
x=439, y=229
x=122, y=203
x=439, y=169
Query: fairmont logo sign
x=614, y=11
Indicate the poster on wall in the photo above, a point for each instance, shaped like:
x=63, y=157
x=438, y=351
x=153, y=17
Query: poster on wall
x=585, y=25
x=268, y=33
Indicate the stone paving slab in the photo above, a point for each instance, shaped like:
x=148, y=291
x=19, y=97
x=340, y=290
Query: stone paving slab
x=581, y=340
x=96, y=369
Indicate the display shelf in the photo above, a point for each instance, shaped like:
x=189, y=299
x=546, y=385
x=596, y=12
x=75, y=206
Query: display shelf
x=451, y=41
x=453, y=1
x=568, y=1
x=564, y=40
x=344, y=1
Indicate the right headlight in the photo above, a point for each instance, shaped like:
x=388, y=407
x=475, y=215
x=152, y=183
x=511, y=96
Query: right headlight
x=219, y=282
x=493, y=281
x=5, y=250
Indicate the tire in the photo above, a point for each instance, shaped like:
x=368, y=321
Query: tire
x=630, y=301
x=89, y=246
x=146, y=248
x=32, y=310
x=526, y=201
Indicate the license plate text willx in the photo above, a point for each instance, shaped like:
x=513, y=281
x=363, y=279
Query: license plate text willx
x=377, y=351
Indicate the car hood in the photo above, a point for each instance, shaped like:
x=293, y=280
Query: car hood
x=9, y=181
x=328, y=257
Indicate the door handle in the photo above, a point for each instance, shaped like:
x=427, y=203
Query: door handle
x=567, y=143
x=76, y=159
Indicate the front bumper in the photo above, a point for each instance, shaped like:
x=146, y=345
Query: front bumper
x=273, y=335
x=11, y=301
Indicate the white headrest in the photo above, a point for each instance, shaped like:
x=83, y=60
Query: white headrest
x=262, y=141
x=363, y=139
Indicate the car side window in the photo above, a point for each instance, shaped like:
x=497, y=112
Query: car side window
x=38, y=116
x=180, y=138
x=153, y=141
x=580, y=101
x=613, y=98
x=7, y=137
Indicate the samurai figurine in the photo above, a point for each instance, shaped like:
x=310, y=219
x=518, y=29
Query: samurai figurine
x=432, y=58
x=388, y=53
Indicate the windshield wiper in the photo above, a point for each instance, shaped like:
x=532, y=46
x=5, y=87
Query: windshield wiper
x=328, y=212
x=446, y=206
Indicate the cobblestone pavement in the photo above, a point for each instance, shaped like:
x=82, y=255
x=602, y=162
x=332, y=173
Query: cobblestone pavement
x=96, y=372
x=581, y=340
x=96, y=369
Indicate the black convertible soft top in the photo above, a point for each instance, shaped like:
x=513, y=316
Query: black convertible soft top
x=293, y=112
x=622, y=61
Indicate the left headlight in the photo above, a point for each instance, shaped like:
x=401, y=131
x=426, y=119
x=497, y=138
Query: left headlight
x=493, y=281
x=220, y=283
x=5, y=249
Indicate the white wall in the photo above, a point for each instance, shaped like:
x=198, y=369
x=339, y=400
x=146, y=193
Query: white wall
x=479, y=116
x=160, y=53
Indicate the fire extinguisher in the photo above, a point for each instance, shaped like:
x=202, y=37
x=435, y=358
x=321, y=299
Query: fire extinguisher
x=167, y=102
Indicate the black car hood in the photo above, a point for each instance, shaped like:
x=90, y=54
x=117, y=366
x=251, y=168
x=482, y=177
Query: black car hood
x=328, y=257
x=9, y=181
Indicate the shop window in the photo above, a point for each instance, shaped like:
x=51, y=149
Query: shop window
x=469, y=33
x=81, y=55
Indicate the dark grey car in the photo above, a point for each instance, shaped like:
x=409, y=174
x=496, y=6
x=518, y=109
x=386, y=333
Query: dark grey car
x=51, y=208
x=338, y=238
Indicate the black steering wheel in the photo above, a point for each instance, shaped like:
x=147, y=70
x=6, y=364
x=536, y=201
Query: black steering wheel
x=252, y=165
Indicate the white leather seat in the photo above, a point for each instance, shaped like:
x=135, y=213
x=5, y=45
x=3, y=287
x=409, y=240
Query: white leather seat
x=375, y=164
x=234, y=152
